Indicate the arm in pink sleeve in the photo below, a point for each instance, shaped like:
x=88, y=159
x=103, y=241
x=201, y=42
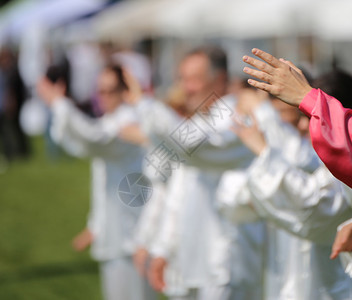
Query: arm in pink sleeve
x=331, y=132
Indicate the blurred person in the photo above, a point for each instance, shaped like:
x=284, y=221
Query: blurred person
x=156, y=118
x=298, y=150
x=111, y=222
x=159, y=118
x=303, y=209
x=192, y=238
x=329, y=120
x=336, y=84
x=13, y=141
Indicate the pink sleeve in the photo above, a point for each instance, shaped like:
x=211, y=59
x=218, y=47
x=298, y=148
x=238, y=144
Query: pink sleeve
x=331, y=132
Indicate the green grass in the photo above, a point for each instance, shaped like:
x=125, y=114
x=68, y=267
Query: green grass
x=43, y=204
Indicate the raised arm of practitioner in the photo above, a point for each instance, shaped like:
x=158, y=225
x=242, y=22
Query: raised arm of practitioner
x=330, y=123
x=81, y=135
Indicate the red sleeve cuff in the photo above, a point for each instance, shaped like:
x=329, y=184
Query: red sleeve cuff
x=309, y=101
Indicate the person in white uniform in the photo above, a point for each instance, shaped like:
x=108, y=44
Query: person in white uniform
x=304, y=209
x=111, y=222
x=157, y=120
x=193, y=238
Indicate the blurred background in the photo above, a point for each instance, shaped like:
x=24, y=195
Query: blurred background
x=44, y=194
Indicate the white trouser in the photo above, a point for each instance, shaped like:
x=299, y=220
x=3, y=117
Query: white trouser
x=121, y=281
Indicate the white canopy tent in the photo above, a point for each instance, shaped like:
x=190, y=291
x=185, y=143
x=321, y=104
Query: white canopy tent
x=333, y=20
x=49, y=14
x=185, y=18
x=12, y=11
x=127, y=20
x=235, y=18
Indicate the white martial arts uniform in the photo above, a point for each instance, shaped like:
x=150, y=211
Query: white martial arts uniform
x=233, y=199
x=193, y=238
x=158, y=120
x=233, y=196
x=307, y=205
x=111, y=221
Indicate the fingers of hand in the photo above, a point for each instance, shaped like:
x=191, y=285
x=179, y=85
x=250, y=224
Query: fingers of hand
x=337, y=247
x=156, y=276
x=271, y=60
x=289, y=63
x=258, y=74
x=158, y=284
x=261, y=85
x=258, y=64
x=334, y=254
x=343, y=242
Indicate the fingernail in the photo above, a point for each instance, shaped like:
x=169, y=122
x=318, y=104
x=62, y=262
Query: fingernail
x=245, y=69
x=250, y=81
x=245, y=58
x=254, y=50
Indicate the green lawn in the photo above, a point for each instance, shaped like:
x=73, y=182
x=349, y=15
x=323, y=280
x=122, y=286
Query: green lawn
x=43, y=204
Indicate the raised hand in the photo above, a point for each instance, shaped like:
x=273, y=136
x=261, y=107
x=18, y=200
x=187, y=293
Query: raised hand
x=49, y=91
x=246, y=128
x=281, y=78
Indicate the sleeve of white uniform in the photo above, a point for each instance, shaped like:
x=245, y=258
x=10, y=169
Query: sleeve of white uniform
x=166, y=239
x=150, y=219
x=61, y=131
x=87, y=128
x=79, y=134
x=233, y=198
x=308, y=205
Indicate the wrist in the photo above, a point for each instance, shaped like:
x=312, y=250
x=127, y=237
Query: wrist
x=304, y=93
x=259, y=149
